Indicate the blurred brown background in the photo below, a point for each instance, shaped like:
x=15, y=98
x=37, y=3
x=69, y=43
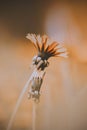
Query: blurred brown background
x=63, y=103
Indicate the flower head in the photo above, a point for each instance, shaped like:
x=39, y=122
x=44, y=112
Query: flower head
x=46, y=47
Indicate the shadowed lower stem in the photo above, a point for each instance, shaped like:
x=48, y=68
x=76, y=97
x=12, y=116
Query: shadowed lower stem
x=34, y=116
x=19, y=101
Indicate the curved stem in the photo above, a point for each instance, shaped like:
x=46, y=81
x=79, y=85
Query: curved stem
x=19, y=101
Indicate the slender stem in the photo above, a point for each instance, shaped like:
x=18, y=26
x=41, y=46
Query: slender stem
x=34, y=116
x=18, y=102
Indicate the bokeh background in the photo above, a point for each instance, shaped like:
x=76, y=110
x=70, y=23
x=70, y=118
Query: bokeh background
x=63, y=103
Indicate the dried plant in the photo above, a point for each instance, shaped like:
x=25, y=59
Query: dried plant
x=46, y=48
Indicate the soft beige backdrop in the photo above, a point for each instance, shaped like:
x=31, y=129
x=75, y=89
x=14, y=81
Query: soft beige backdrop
x=63, y=102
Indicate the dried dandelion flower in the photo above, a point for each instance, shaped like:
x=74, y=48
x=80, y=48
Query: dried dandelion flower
x=46, y=48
